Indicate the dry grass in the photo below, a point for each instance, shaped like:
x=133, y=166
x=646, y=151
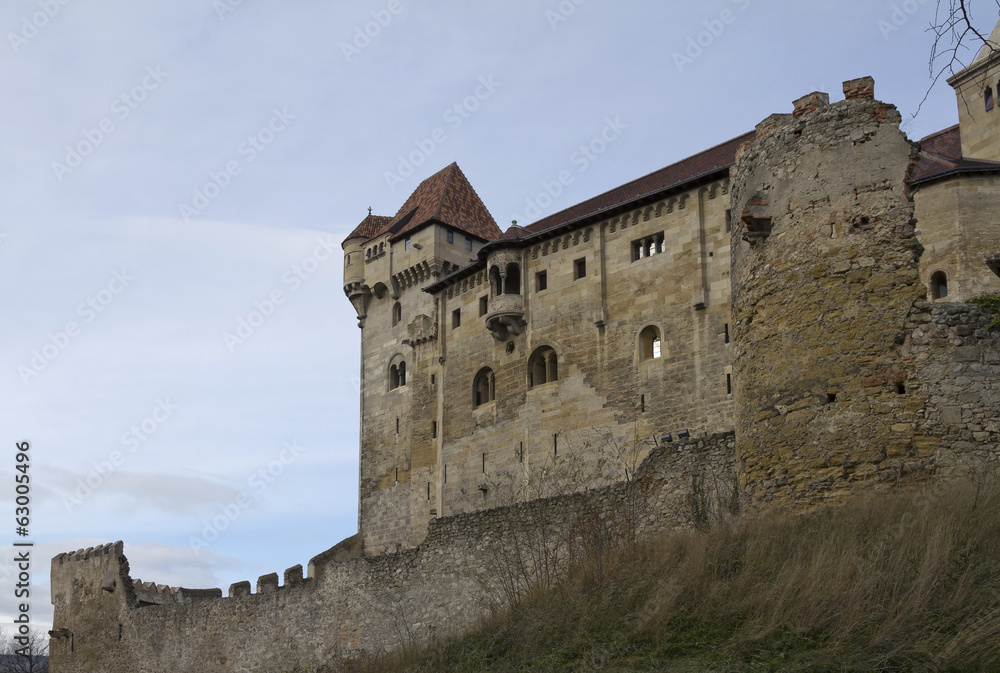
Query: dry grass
x=899, y=583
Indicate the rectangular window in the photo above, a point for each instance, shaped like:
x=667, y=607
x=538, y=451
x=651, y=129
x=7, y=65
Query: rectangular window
x=989, y=98
x=726, y=332
x=406, y=243
x=729, y=221
x=648, y=246
x=433, y=379
x=484, y=305
x=434, y=429
x=555, y=444
x=579, y=269
x=729, y=384
x=541, y=281
x=451, y=236
x=468, y=244
x=642, y=404
x=456, y=318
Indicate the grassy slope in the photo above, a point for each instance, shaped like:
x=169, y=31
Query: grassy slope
x=900, y=583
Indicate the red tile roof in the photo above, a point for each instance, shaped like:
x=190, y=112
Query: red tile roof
x=445, y=198
x=369, y=227
x=941, y=155
x=710, y=161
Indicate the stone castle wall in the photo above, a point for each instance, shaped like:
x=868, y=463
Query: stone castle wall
x=448, y=447
x=347, y=606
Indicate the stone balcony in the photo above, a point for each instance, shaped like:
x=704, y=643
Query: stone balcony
x=506, y=315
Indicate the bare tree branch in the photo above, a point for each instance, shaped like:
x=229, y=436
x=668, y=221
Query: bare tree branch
x=954, y=34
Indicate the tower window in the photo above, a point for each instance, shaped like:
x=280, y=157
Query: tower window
x=406, y=243
x=397, y=313
x=647, y=247
x=468, y=244
x=397, y=375
x=939, y=285
x=543, y=367
x=541, y=281
x=456, y=318
x=512, y=283
x=650, y=343
x=989, y=98
x=484, y=387
x=451, y=236
x=579, y=269
x=484, y=305
x=434, y=429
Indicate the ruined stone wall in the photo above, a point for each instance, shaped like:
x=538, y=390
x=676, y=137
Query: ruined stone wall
x=825, y=276
x=347, y=606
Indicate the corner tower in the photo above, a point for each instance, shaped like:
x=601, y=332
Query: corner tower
x=387, y=261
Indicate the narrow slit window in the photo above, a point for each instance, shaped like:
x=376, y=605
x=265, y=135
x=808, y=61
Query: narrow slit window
x=434, y=429
x=989, y=98
x=729, y=384
x=725, y=332
x=451, y=236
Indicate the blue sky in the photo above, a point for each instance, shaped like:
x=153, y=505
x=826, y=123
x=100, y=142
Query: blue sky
x=172, y=169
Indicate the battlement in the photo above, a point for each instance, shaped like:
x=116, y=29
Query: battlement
x=88, y=553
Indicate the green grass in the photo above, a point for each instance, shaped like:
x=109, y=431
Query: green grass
x=907, y=582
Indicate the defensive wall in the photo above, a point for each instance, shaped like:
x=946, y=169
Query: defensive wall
x=346, y=605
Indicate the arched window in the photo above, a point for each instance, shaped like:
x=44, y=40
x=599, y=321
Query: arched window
x=496, y=282
x=543, y=367
x=484, y=387
x=939, y=285
x=512, y=284
x=397, y=313
x=650, y=343
x=397, y=373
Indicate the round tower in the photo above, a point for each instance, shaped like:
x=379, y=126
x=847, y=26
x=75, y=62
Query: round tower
x=824, y=277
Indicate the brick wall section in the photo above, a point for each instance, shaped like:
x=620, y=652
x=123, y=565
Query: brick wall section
x=371, y=604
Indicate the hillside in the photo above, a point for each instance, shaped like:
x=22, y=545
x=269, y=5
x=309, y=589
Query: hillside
x=904, y=582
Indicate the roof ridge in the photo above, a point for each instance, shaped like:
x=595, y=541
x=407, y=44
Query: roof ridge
x=938, y=133
x=444, y=190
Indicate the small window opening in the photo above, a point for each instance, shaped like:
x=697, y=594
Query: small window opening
x=520, y=451
x=484, y=463
x=555, y=444
x=406, y=243
x=939, y=285
x=468, y=244
x=729, y=384
x=451, y=236
x=434, y=429
x=725, y=332
x=729, y=221
x=543, y=367
x=446, y=473
x=484, y=387
x=512, y=283
x=642, y=404
x=650, y=344
x=397, y=425
x=900, y=388
x=428, y=490
x=397, y=313
x=579, y=269
x=456, y=318
x=119, y=632
x=484, y=305
x=397, y=376
x=541, y=281
x=433, y=379
x=831, y=398
x=989, y=98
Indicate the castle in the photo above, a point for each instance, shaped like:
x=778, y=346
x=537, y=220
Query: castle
x=782, y=312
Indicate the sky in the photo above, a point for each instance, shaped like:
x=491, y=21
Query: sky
x=176, y=179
